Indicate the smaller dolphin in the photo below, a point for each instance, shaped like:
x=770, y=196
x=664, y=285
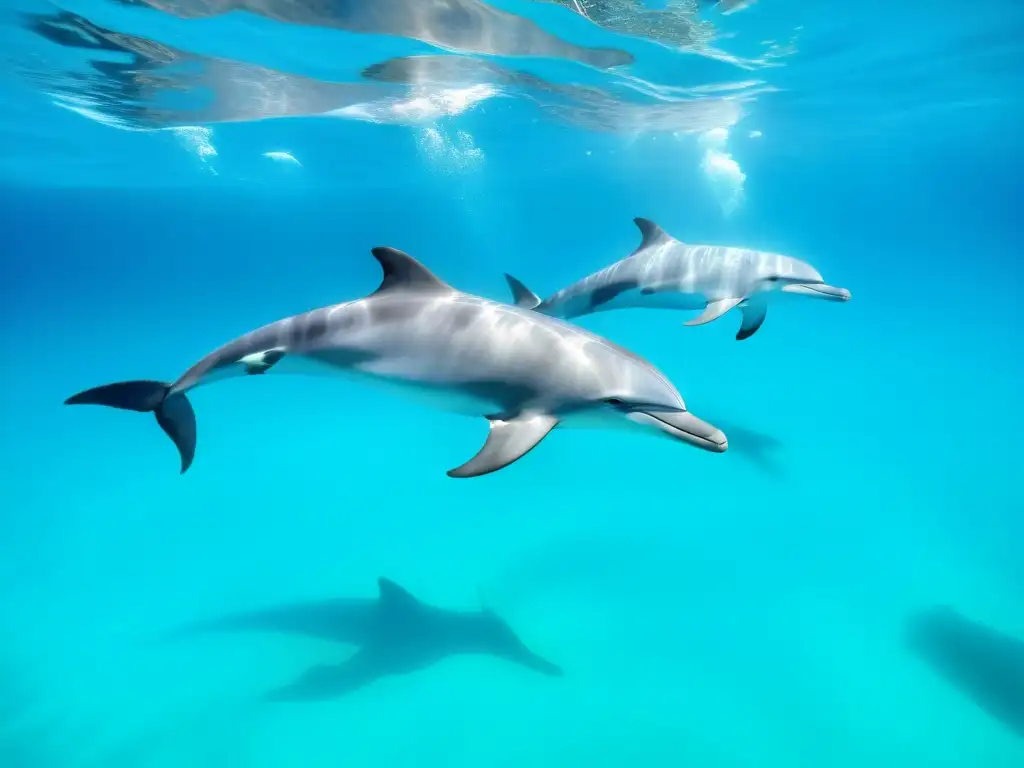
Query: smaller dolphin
x=664, y=273
x=396, y=634
x=985, y=664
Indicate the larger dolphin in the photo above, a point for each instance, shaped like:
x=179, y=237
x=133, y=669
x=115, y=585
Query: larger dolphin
x=666, y=273
x=524, y=372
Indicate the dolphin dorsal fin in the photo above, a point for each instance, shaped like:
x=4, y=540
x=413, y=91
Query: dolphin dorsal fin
x=650, y=233
x=402, y=271
x=395, y=597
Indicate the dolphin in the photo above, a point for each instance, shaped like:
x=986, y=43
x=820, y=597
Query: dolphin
x=668, y=274
x=396, y=634
x=984, y=663
x=524, y=372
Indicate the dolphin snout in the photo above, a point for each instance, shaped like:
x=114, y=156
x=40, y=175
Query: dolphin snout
x=684, y=426
x=698, y=432
x=818, y=291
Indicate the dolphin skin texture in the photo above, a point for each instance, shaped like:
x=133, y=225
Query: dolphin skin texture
x=664, y=273
x=395, y=634
x=524, y=372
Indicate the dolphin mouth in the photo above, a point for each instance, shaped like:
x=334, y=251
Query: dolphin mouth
x=684, y=426
x=818, y=290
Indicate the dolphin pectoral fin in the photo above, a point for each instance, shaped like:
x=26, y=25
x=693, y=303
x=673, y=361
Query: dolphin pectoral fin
x=507, y=441
x=713, y=311
x=753, y=316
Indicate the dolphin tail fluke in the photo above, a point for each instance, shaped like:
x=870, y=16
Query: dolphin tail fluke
x=173, y=412
x=522, y=295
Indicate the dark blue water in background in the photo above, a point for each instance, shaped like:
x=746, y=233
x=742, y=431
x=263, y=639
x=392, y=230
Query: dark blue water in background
x=711, y=610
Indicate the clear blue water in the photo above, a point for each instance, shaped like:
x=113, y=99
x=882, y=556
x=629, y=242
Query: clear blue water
x=738, y=609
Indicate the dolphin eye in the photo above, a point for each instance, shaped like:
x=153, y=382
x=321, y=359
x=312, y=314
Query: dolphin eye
x=614, y=401
x=773, y=278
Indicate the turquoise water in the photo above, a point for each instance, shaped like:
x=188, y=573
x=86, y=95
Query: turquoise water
x=747, y=608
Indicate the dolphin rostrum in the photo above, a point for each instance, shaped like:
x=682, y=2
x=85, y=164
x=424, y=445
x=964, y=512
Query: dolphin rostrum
x=984, y=663
x=526, y=373
x=665, y=273
x=395, y=633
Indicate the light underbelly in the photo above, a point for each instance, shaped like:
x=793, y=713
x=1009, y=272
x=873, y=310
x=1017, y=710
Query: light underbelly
x=667, y=299
x=670, y=300
x=449, y=396
x=631, y=299
x=441, y=397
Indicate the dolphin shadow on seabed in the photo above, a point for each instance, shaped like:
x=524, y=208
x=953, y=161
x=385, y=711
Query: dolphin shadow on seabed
x=395, y=634
x=983, y=663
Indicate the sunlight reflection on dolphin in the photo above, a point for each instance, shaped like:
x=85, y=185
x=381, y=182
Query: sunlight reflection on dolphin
x=589, y=107
x=163, y=87
x=471, y=26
